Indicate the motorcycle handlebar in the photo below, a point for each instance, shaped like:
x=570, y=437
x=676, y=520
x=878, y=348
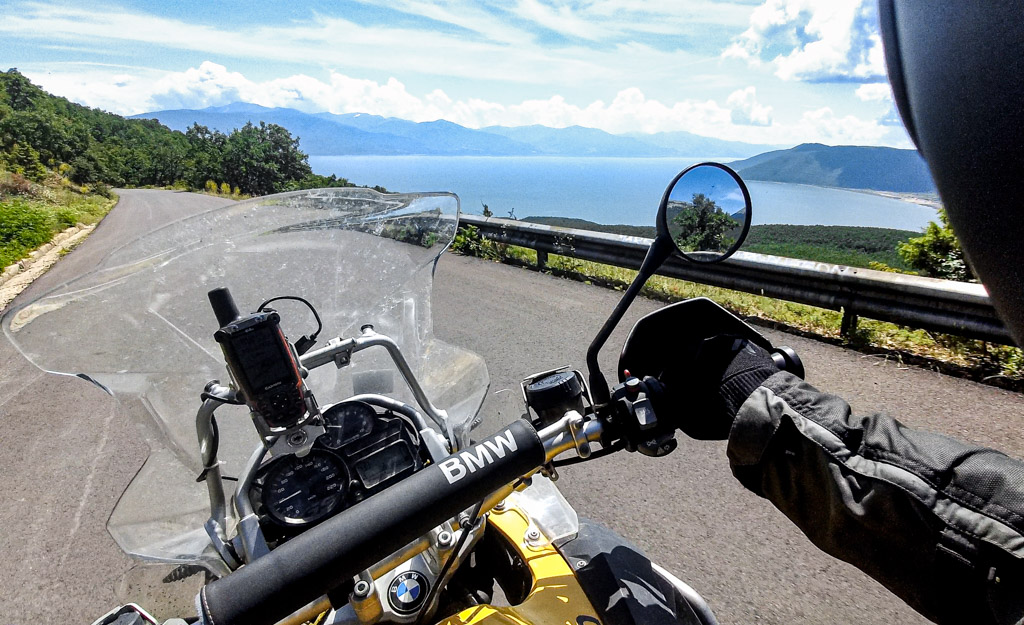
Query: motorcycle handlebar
x=321, y=559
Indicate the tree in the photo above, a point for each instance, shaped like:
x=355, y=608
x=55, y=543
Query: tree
x=84, y=170
x=292, y=163
x=937, y=253
x=19, y=90
x=205, y=155
x=56, y=138
x=263, y=159
x=316, y=181
x=22, y=159
x=246, y=162
x=166, y=164
x=39, y=131
x=700, y=225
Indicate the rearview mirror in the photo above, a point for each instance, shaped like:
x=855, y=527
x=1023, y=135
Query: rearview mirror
x=705, y=212
x=705, y=215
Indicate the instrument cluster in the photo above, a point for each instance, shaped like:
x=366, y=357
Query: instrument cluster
x=362, y=452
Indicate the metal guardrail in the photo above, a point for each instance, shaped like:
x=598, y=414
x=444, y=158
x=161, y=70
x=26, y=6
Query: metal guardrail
x=958, y=308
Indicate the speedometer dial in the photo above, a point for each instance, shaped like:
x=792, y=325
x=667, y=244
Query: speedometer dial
x=347, y=422
x=299, y=491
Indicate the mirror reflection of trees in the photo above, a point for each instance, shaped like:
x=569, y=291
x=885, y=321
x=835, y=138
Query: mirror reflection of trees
x=700, y=225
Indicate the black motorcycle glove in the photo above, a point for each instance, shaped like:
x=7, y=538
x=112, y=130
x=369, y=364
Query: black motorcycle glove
x=726, y=371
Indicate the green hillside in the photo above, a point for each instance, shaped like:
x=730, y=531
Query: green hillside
x=851, y=167
x=39, y=132
x=59, y=159
x=842, y=245
x=43, y=135
x=583, y=224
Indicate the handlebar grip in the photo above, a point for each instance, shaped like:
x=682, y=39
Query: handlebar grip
x=787, y=359
x=223, y=305
x=319, y=560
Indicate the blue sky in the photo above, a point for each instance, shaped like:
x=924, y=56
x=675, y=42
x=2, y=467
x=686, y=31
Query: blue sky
x=764, y=71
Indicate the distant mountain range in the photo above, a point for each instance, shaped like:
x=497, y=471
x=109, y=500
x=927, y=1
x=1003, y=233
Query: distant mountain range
x=851, y=167
x=327, y=134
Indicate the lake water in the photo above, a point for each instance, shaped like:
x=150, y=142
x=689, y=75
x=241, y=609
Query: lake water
x=607, y=190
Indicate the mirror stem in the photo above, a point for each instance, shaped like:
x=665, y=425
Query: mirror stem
x=660, y=250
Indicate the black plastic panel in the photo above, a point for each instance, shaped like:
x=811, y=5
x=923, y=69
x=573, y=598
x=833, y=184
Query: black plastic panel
x=620, y=583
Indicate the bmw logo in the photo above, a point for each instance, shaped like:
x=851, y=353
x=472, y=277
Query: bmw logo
x=407, y=591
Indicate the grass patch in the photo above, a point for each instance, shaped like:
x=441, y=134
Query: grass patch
x=31, y=214
x=978, y=360
x=854, y=246
x=804, y=251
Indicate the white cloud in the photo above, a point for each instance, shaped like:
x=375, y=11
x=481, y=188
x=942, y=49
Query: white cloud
x=560, y=19
x=491, y=62
x=846, y=130
x=874, y=92
x=881, y=92
x=630, y=111
x=490, y=47
x=746, y=111
x=110, y=88
x=742, y=117
x=212, y=84
x=198, y=87
x=814, y=40
x=594, y=20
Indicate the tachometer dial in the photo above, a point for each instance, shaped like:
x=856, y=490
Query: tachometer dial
x=347, y=422
x=299, y=491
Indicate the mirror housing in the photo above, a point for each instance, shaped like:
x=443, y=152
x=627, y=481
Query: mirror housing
x=705, y=212
x=714, y=183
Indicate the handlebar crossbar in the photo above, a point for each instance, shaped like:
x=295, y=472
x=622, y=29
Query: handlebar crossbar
x=321, y=559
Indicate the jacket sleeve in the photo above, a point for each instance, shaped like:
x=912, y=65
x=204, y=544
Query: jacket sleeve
x=938, y=522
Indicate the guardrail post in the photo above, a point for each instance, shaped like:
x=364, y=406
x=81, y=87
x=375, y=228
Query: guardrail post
x=542, y=259
x=849, y=324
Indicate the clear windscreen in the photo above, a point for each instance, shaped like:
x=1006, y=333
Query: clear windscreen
x=141, y=326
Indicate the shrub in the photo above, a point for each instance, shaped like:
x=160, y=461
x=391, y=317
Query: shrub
x=877, y=266
x=225, y=188
x=84, y=170
x=211, y=186
x=14, y=184
x=22, y=228
x=24, y=160
x=937, y=253
x=66, y=217
x=469, y=242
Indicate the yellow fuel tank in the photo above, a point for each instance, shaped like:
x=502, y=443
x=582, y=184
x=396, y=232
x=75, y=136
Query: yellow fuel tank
x=555, y=596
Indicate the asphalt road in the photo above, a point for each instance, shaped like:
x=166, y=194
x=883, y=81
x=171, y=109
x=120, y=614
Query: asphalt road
x=66, y=452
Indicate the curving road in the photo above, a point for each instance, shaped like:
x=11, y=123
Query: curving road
x=66, y=453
